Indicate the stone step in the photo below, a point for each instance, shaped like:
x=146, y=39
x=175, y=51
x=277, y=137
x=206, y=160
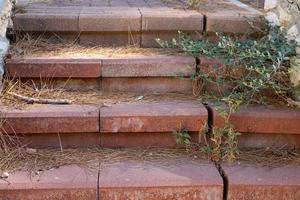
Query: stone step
x=168, y=178
x=119, y=125
x=146, y=123
x=253, y=181
x=136, y=25
x=185, y=179
x=262, y=126
x=160, y=73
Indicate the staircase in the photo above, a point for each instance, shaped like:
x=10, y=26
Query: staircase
x=146, y=96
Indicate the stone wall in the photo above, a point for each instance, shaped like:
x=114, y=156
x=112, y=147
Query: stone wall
x=5, y=12
x=286, y=13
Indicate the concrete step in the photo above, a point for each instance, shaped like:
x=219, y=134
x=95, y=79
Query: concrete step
x=262, y=126
x=168, y=178
x=119, y=125
x=185, y=179
x=253, y=181
x=136, y=25
x=145, y=122
x=159, y=73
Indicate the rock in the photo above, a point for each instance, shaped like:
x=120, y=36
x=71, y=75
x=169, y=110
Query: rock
x=294, y=71
x=270, y=4
x=4, y=175
x=272, y=18
x=30, y=150
x=284, y=17
x=298, y=40
x=292, y=33
x=5, y=13
x=4, y=44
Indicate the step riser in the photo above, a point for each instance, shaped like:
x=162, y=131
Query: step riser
x=182, y=193
x=124, y=140
x=139, y=85
x=138, y=26
x=102, y=140
x=128, y=179
x=148, y=124
x=136, y=74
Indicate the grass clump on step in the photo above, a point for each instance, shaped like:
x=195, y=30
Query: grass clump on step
x=248, y=72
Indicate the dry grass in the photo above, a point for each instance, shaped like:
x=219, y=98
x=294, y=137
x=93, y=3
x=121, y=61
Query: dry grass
x=41, y=47
x=34, y=161
x=270, y=156
x=97, y=98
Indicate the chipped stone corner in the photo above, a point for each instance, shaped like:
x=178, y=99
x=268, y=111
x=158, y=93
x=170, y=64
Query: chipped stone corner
x=5, y=22
x=287, y=14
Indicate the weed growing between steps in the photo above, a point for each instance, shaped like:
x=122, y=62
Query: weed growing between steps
x=247, y=72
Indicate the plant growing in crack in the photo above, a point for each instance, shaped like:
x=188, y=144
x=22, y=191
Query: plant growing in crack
x=247, y=72
x=182, y=136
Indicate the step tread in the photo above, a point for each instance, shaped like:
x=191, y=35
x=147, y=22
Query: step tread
x=137, y=18
x=129, y=117
x=129, y=174
x=252, y=181
x=184, y=179
x=262, y=119
x=153, y=117
x=133, y=66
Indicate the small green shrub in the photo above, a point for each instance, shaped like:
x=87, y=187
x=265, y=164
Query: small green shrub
x=263, y=65
x=182, y=136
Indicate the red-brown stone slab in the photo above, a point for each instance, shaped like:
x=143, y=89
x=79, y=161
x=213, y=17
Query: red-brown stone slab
x=52, y=119
x=169, y=19
x=148, y=84
x=152, y=117
x=184, y=179
x=53, y=68
x=232, y=22
x=109, y=19
x=265, y=140
x=47, y=21
x=149, y=66
x=129, y=140
x=260, y=119
x=253, y=182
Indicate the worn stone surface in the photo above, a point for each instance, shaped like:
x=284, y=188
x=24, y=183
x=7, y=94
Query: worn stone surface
x=101, y=19
x=265, y=140
x=168, y=19
x=52, y=119
x=149, y=66
x=259, y=119
x=149, y=84
x=146, y=139
x=232, y=22
x=166, y=116
x=109, y=39
x=252, y=182
x=54, y=68
x=47, y=21
x=186, y=180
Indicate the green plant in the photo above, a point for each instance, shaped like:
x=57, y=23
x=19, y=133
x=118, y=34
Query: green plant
x=193, y=4
x=182, y=136
x=249, y=71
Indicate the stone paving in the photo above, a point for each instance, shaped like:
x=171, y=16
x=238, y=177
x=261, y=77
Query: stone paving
x=101, y=3
x=137, y=22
